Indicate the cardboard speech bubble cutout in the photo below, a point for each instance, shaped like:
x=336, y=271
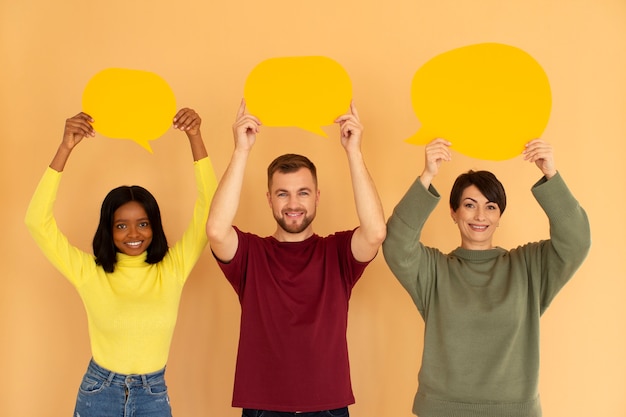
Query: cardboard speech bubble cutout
x=130, y=104
x=487, y=99
x=307, y=92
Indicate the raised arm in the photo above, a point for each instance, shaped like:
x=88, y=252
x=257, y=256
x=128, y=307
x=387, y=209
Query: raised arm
x=372, y=229
x=188, y=121
x=222, y=237
x=436, y=152
x=186, y=252
x=73, y=263
x=570, y=236
x=412, y=263
x=76, y=128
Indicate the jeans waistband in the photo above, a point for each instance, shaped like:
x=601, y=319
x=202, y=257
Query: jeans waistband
x=111, y=377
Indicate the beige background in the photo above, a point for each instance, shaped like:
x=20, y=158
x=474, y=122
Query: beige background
x=205, y=50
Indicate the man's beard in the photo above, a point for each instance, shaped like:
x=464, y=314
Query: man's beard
x=294, y=228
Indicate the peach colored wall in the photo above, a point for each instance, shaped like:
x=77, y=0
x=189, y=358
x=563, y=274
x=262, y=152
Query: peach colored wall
x=205, y=50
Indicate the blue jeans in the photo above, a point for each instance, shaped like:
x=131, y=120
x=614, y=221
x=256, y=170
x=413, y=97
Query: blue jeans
x=339, y=412
x=104, y=393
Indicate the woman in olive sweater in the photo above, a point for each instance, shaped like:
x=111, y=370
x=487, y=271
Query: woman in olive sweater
x=481, y=304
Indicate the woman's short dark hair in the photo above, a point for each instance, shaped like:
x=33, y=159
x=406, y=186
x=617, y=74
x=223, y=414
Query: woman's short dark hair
x=487, y=184
x=288, y=163
x=104, y=248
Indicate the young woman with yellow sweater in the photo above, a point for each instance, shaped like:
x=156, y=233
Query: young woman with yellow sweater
x=131, y=285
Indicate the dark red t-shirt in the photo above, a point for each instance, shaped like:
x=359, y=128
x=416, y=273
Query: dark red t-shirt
x=293, y=353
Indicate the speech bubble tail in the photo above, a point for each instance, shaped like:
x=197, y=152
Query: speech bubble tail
x=315, y=129
x=144, y=143
x=421, y=137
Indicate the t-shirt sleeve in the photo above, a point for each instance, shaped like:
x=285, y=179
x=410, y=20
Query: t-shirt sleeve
x=351, y=268
x=235, y=269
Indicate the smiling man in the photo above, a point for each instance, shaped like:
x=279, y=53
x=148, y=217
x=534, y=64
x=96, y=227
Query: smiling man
x=293, y=196
x=294, y=286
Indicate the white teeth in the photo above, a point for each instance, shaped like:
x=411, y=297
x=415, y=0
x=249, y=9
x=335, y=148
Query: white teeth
x=133, y=243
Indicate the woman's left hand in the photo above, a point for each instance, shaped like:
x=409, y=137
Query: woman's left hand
x=541, y=154
x=188, y=121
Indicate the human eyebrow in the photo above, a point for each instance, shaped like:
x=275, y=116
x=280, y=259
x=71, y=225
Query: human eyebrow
x=142, y=219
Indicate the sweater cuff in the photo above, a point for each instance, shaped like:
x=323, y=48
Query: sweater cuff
x=417, y=202
x=545, y=192
x=205, y=175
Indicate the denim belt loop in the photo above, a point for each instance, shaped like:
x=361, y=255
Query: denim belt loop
x=109, y=378
x=144, y=381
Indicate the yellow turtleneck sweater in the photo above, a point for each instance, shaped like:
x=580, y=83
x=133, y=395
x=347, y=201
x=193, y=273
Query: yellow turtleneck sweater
x=131, y=312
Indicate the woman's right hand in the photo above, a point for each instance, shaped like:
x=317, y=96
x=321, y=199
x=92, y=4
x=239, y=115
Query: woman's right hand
x=437, y=151
x=77, y=128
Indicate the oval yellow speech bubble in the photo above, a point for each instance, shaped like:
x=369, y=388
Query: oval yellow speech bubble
x=307, y=92
x=488, y=99
x=130, y=104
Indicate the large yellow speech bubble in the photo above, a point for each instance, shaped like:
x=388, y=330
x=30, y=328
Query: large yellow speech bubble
x=307, y=92
x=488, y=99
x=129, y=104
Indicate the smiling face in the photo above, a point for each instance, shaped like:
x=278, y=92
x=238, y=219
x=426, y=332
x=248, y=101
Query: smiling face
x=477, y=218
x=132, y=232
x=293, y=198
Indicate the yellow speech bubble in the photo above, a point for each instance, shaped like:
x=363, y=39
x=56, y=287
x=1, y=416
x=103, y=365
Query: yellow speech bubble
x=129, y=104
x=488, y=99
x=308, y=92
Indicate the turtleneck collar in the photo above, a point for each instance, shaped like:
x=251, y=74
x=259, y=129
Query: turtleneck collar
x=478, y=255
x=124, y=260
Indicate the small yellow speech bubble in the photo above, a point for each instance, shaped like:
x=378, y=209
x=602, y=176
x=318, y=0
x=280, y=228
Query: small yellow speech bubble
x=129, y=104
x=488, y=99
x=308, y=92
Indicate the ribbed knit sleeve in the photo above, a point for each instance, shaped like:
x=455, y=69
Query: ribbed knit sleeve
x=570, y=236
x=186, y=252
x=411, y=262
x=73, y=263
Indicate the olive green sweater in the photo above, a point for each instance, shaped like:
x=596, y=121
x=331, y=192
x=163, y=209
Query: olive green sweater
x=482, y=307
